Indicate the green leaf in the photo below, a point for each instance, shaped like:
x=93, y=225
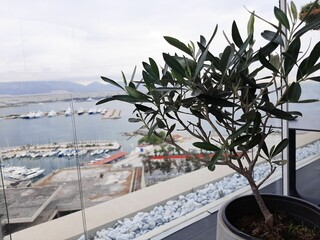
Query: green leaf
x=279, y=148
x=114, y=83
x=160, y=123
x=171, y=129
x=294, y=92
x=124, y=78
x=277, y=112
x=264, y=148
x=250, y=26
x=282, y=18
x=145, y=109
x=275, y=61
x=267, y=49
x=133, y=73
x=248, y=116
x=236, y=35
x=152, y=129
x=200, y=62
x=308, y=101
x=176, y=43
x=295, y=113
x=294, y=10
x=197, y=113
x=254, y=141
x=291, y=55
x=148, y=79
x=214, y=159
x=314, y=69
x=206, y=146
x=150, y=70
x=215, y=101
x=134, y=120
x=225, y=59
x=173, y=64
x=317, y=79
x=308, y=65
x=238, y=141
x=239, y=131
x=256, y=123
x=280, y=162
x=266, y=63
x=313, y=57
x=154, y=67
x=122, y=98
x=137, y=94
x=272, y=37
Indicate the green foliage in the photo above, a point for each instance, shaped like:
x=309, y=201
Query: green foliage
x=310, y=13
x=217, y=89
x=239, y=90
x=152, y=139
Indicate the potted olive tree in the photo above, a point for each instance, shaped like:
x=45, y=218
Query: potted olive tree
x=228, y=101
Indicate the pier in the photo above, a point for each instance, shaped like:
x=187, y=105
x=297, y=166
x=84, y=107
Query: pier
x=46, y=150
x=106, y=114
x=112, y=114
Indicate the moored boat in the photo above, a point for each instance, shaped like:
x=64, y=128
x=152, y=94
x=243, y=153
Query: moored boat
x=52, y=113
x=21, y=173
x=68, y=112
x=80, y=111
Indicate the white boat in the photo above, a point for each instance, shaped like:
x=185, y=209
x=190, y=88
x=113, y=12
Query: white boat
x=52, y=113
x=23, y=116
x=21, y=173
x=97, y=152
x=31, y=173
x=53, y=153
x=30, y=115
x=93, y=110
x=80, y=111
x=68, y=112
x=39, y=114
x=82, y=152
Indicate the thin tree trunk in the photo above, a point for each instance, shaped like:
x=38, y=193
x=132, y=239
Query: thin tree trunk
x=265, y=211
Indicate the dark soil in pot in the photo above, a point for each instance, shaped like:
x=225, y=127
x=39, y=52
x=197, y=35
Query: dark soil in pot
x=285, y=228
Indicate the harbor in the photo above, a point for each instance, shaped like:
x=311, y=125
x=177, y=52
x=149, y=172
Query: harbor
x=63, y=149
x=85, y=152
x=105, y=113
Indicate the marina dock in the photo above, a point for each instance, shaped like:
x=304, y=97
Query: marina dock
x=109, y=159
x=112, y=114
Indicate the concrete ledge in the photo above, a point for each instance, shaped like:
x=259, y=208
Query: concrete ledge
x=106, y=214
x=33, y=202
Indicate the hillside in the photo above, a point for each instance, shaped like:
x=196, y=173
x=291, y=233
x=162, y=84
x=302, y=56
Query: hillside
x=42, y=87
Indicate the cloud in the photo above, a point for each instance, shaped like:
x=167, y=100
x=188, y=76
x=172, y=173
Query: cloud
x=81, y=39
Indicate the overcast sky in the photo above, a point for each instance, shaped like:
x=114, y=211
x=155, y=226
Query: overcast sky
x=79, y=40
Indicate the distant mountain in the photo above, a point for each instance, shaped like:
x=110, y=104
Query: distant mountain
x=41, y=87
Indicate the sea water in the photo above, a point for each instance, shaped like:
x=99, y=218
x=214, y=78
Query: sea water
x=38, y=131
x=20, y=132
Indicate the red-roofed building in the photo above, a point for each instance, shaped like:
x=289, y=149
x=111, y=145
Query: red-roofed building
x=110, y=159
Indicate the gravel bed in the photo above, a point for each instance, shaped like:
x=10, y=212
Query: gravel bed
x=143, y=222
